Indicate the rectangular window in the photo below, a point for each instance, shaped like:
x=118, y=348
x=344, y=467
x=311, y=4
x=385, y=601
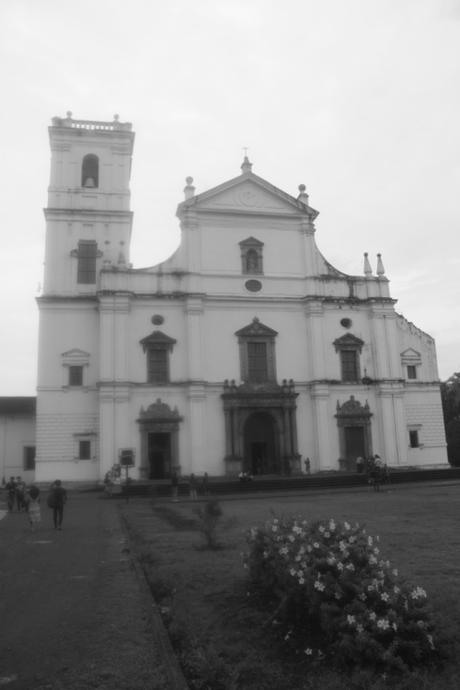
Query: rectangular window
x=75, y=376
x=349, y=360
x=411, y=371
x=29, y=458
x=157, y=359
x=87, y=252
x=413, y=438
x=257, y=362
x=84, y=450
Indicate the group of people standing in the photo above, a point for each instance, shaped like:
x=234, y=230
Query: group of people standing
x=27, y=499
x=193, y=486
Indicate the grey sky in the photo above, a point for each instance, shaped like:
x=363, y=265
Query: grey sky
x=359, y=100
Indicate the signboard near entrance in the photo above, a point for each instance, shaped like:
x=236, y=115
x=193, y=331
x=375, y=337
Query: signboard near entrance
x=127, y=457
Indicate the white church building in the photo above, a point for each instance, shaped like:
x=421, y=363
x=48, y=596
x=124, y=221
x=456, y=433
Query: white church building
x=246, y=350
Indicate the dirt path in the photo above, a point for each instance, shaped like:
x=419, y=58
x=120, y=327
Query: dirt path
x=73, y=615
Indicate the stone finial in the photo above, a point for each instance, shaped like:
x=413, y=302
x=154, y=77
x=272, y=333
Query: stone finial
x=367, y=266
x=246, y=166
x=380, y=268
x=69, y=114
x=189, y=190
x=303, y=196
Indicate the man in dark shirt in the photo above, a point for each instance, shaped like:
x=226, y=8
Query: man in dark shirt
x=59, y=498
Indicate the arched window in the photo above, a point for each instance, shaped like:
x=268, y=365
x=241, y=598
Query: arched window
x=90, y=171
x=251, y=256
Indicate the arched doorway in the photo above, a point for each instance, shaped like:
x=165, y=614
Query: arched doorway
x=261, y=454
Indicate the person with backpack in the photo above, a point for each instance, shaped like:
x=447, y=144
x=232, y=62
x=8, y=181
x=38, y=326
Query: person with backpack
x=56, y=500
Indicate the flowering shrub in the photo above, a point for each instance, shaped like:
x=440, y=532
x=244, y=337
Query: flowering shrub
x=334, y=597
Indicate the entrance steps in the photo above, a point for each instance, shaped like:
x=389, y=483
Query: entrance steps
x=218, y=486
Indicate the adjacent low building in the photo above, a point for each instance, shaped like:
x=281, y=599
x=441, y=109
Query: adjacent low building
x=17, y=438
x=246, y=350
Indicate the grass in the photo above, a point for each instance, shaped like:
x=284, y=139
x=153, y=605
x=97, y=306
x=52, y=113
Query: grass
x=219, y=635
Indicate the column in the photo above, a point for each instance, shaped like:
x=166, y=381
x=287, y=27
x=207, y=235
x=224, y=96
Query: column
x=323, y=422
x=314, y=313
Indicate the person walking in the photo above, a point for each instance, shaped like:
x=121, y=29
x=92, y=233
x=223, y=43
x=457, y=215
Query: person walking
x=20, y=494
x=192, y=487
x=33, y=509
x=205, y=484
x=11, y=493
x=56, y=501
x=174, y=486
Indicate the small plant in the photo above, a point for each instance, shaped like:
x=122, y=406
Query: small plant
x=334, y=598
x=209, y=517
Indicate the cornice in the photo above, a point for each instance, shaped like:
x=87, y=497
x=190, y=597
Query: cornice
x=54, y=212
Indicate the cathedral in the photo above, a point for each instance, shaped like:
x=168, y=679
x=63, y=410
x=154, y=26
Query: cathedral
x=245, y=351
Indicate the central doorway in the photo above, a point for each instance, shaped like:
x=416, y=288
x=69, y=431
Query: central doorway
x=354, y=442
x=261, y=455
x=159, y=455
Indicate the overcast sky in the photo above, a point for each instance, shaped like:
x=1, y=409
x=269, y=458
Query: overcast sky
x=357, y=99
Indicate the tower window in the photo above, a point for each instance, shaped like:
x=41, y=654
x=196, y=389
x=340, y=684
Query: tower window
x=413, y=438
x=29, y=458
x=411, y=371
x=90, y=171
x=87, y=253
x=84, y=450
x=75, y=375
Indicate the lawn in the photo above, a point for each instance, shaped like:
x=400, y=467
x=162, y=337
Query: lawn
x=222, y=638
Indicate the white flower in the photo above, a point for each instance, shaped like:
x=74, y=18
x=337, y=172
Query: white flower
x=322, y=529
x=291, y=538
x=376, y=551
x=340, y=565
x=274, y=528
x=351, y=567
x=372, y=560
x=383, y=624
x=284, y=551
x=327, y=534
x=347, y=526
x=430, y=641
x=394, y=626
x=342, y=545
x=330, y=560
x=308, y=651
x=301, y=581
x=292, y=572
x=395, y=572
x=351, y=539
x=316, y=545
x=332, y=525
x=396, y=589
x=370, y=541
x=351, y=620
x=319, y=586
x=418, y=593
x=372, y=615
x=385, y=597
x=360, y=628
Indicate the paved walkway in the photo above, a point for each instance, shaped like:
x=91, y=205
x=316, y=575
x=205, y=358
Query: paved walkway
x=74, y=612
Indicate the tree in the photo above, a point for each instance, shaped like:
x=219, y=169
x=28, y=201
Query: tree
x=450, y=396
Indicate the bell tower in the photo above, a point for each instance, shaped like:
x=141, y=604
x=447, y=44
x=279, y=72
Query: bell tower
x=88, y=217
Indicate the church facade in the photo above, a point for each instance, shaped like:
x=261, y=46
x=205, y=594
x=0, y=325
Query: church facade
x=246, y=350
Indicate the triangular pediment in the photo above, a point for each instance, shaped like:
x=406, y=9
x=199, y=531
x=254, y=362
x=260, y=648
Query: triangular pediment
x=75, y=352
x=157, y=339
x=348, y=341
x=249, y=193
x=256, y=329
x=410, y=355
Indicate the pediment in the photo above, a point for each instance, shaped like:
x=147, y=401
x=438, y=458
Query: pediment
x=348, y=341
x=75, y=352
x=249, y=193
x=410, y=355
x=256, y=329
x=157, y=339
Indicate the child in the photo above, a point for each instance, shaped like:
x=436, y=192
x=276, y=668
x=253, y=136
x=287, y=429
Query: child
x=34, y=507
